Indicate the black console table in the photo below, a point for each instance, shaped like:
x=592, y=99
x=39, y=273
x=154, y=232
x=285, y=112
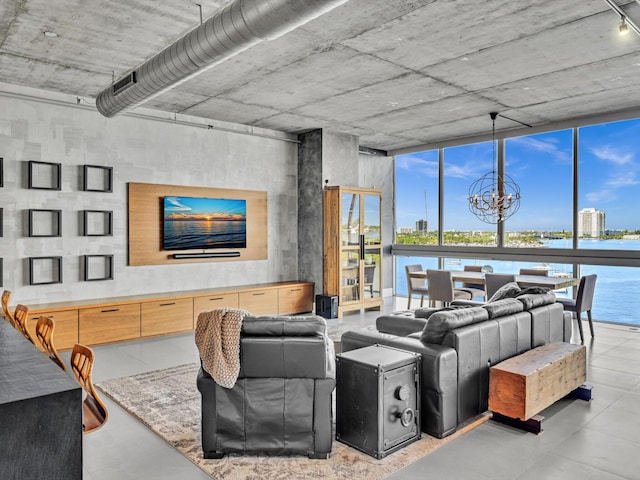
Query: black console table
x=40, y=413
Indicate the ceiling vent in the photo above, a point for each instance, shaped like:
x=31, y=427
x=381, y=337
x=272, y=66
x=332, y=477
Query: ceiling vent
x=234, y=29
x=124, y=82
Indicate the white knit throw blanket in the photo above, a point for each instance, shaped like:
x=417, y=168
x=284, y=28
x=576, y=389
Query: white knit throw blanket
x=218, y=341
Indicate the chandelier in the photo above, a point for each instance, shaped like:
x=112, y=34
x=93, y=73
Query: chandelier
x=494, y=197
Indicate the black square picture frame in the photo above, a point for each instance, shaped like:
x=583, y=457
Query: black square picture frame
x=97, y=178
x=44, y=175
x=97, y=267
x=52, y=218
x=45, y=270
x=97, y=223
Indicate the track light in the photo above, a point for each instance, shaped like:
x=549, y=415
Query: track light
x=623, y=28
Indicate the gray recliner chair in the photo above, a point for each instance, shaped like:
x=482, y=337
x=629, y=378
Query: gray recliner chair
x=281, y=402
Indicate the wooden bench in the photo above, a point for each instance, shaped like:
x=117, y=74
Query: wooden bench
x=524, y=385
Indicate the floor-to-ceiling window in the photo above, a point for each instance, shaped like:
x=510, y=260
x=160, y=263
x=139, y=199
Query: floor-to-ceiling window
x=604, y=224
x=463, y=165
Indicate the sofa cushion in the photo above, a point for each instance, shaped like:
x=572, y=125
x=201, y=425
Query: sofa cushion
x=445, y=320
x=279, y=325
x=503, y=307
x=508, y=290
x=425, y=312
x=532, y=300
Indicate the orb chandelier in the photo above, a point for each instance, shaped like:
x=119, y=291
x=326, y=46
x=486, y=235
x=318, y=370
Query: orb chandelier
x=494, y=197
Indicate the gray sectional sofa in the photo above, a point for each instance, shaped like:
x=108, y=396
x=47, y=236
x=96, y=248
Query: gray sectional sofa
x=459, y=344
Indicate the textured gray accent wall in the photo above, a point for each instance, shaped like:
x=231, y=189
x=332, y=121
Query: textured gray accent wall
x=310, y=226
x=139, y=150
x=340, y=159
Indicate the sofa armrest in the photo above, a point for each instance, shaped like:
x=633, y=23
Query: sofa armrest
x=438, y=375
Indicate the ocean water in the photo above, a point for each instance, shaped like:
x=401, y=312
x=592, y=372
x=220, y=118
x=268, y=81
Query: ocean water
x=189, y=234
x=616, y=297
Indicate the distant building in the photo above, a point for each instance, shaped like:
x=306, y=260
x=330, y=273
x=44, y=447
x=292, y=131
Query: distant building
x=591, y=223
x=405, y=230
x=422, y=226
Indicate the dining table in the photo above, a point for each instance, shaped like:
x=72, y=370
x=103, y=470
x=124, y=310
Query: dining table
x=554, y=283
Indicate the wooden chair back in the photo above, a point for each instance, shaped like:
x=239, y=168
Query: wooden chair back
x=6, y=295
x=44, y=334
x=20, y=315
x=543, y=272
x=473, y=268
x=94, y=411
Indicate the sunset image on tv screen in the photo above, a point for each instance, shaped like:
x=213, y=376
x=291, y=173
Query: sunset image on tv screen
x=201, y=223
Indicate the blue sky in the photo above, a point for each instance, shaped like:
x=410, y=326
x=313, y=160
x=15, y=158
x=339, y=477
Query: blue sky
x=204, y=208
x=609, y=179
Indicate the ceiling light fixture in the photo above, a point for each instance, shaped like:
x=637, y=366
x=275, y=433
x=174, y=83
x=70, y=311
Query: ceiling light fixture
x=623, y=29
x=626, y=22
x=494, y=197
x=237, y=27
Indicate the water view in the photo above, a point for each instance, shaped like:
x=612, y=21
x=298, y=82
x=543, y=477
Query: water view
x=196, y=234
x=617, y=293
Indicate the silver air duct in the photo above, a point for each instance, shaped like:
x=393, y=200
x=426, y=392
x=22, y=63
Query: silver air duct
x=234, y=29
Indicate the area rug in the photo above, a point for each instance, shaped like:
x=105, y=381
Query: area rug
x=168, y=402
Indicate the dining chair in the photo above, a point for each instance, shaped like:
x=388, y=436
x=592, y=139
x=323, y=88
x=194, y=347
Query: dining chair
x=415, y=285
x=440, y=285
x=6, y=295
x=475, y=289
x=534, y=271
x=493, y=281
x=369, y=277
x=94, y=411
x=582, y=302
x=44, y=334
x=20, y=315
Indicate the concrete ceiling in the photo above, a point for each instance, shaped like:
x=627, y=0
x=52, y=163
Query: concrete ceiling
x=397, y=73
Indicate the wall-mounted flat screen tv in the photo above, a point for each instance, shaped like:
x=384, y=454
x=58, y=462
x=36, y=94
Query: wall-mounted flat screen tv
x=202, y=223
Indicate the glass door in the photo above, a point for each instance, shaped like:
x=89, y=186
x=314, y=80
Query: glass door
x=351, y=248
x=371, y=246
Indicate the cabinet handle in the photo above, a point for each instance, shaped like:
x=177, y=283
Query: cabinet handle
x=295, y=289
x=256, y=294
x=111, y=310
x=167, y=304
x=216, y=298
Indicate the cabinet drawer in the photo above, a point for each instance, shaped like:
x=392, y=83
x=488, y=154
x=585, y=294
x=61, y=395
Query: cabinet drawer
x=166, y=316
x=109, y=323
x=259, y=302
x=213, y=301
x=65, y=332
x=295, y=299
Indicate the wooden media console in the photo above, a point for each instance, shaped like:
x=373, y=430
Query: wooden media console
x=116, y=319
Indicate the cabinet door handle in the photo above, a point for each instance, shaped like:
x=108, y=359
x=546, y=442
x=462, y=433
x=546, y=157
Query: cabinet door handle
x=167, y=304
x=111, y=310
x=256, y=294
x=295, y=289
x=216, y=298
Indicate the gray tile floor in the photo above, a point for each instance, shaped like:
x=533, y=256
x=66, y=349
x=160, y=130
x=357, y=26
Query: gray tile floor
x=589, y=440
